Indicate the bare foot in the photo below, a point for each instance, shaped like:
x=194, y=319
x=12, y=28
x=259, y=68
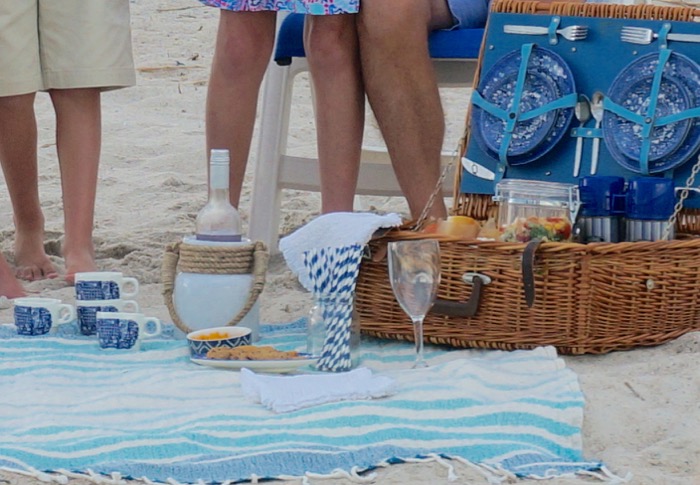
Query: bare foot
x=9, y=286
x=31, y=260
x=11, y=290
x=78, y=261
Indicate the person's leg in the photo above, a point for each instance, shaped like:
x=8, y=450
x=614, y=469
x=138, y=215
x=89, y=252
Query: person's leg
x=9, y=286
x=78, y=142
x=402, y=91
x=332, y=51
x=18, y=156
x=243, y=47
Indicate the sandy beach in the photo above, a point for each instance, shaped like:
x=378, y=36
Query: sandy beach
x=643, y=406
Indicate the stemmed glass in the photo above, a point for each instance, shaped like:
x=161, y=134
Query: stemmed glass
x=414, y=272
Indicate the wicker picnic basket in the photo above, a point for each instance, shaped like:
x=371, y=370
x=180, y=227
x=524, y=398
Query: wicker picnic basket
x=582, y=298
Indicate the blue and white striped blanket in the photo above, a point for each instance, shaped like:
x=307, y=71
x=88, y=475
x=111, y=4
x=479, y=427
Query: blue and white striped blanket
x=65, y=405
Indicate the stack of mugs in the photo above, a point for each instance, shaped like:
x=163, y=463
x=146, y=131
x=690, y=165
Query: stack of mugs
x=102, y=310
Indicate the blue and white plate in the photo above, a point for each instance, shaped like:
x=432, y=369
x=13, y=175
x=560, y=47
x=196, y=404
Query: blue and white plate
x=548, y=78
x=672, y=144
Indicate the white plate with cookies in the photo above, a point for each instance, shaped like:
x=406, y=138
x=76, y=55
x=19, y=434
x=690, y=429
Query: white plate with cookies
x=256, y=358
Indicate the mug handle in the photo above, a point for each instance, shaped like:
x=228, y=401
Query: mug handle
x=156, y=332
x=69, y=316
x=130, y=303
x=130, y=281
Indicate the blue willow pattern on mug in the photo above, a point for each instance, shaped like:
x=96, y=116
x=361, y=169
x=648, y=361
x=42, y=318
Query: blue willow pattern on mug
x=97, y=290
x=115, y=333
x=313, y=7
x=32, y=320
x=87, y=317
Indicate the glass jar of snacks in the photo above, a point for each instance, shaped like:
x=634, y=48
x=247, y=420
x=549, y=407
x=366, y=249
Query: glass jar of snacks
x=530, y=209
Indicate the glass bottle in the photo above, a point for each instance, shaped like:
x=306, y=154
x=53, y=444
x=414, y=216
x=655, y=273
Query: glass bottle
x=337, y=316
x=218, y=220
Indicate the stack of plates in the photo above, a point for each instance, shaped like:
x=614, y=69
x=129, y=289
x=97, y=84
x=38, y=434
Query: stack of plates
x=548, y=78
x=672, y=144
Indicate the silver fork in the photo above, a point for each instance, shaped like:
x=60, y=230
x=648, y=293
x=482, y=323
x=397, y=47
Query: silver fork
x=643, y=35
x=572, y=32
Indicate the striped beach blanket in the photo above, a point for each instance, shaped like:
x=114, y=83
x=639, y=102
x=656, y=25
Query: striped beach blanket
x=68, y=407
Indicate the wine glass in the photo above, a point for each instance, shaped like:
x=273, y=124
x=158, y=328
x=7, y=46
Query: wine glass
x=414, y=272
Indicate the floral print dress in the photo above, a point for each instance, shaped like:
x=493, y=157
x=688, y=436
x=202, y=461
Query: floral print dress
x=313, y=7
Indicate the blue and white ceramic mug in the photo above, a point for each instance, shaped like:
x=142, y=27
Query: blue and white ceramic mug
x=87, y=312
x=39, y=316
x=104, y=285
x=120, y=330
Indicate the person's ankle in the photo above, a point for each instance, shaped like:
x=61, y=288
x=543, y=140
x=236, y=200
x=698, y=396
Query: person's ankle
x=78, y=259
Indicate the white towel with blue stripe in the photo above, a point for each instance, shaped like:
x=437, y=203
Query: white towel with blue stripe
x=283, y=394
x=334, y=230
x=67, y=405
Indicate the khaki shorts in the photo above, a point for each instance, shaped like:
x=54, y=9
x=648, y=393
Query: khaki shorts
x=63, y=44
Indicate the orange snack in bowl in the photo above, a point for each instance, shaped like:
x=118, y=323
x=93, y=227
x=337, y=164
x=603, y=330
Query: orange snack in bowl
x=213, y=336
x=460, y=226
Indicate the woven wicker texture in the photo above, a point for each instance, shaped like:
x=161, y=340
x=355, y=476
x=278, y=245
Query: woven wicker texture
x=592, y=298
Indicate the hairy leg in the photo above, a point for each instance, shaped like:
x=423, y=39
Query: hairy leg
x=243, y=46
x=333, y=53
x=402, y=90
x=18, y=155
x=78, y=142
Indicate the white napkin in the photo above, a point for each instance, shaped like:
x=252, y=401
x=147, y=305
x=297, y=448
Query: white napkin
x=283, y=394
x=336, y=229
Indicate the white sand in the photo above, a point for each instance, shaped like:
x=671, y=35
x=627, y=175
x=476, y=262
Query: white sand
x=643, y=406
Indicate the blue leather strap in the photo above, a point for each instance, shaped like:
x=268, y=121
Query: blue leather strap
x=514, y=112
x=552, y=30
x=663, y=36
x=583, y=132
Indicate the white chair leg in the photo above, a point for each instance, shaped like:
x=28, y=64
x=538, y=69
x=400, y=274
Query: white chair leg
x=266, y=196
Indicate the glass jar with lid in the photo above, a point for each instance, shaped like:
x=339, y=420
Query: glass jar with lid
x=530, y=209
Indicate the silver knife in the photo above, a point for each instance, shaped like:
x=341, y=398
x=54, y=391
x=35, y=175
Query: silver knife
x=478, y=170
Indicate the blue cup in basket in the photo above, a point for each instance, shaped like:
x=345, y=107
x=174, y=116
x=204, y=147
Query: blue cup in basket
x=650, y=198
x=602, y=196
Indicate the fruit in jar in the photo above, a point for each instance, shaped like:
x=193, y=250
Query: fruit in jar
x=555, y=229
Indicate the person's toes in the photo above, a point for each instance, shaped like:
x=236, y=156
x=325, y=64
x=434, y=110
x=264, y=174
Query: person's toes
x=69, y=278
x=35, y=272
x=48, y=270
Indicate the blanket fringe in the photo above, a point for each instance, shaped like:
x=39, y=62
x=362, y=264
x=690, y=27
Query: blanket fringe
x=606, y=475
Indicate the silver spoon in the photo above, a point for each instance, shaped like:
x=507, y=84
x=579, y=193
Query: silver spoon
x=582, y=110
x=597, y=111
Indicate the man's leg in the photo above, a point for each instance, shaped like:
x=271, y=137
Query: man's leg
x=78, y=143
x=243, y=46
x=332, y=51
x=18, y=155
x=9, y=286
x=402, y=90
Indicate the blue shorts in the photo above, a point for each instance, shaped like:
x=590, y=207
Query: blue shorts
x=468, y=14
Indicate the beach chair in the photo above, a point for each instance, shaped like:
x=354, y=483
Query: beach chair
x=455, y=55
